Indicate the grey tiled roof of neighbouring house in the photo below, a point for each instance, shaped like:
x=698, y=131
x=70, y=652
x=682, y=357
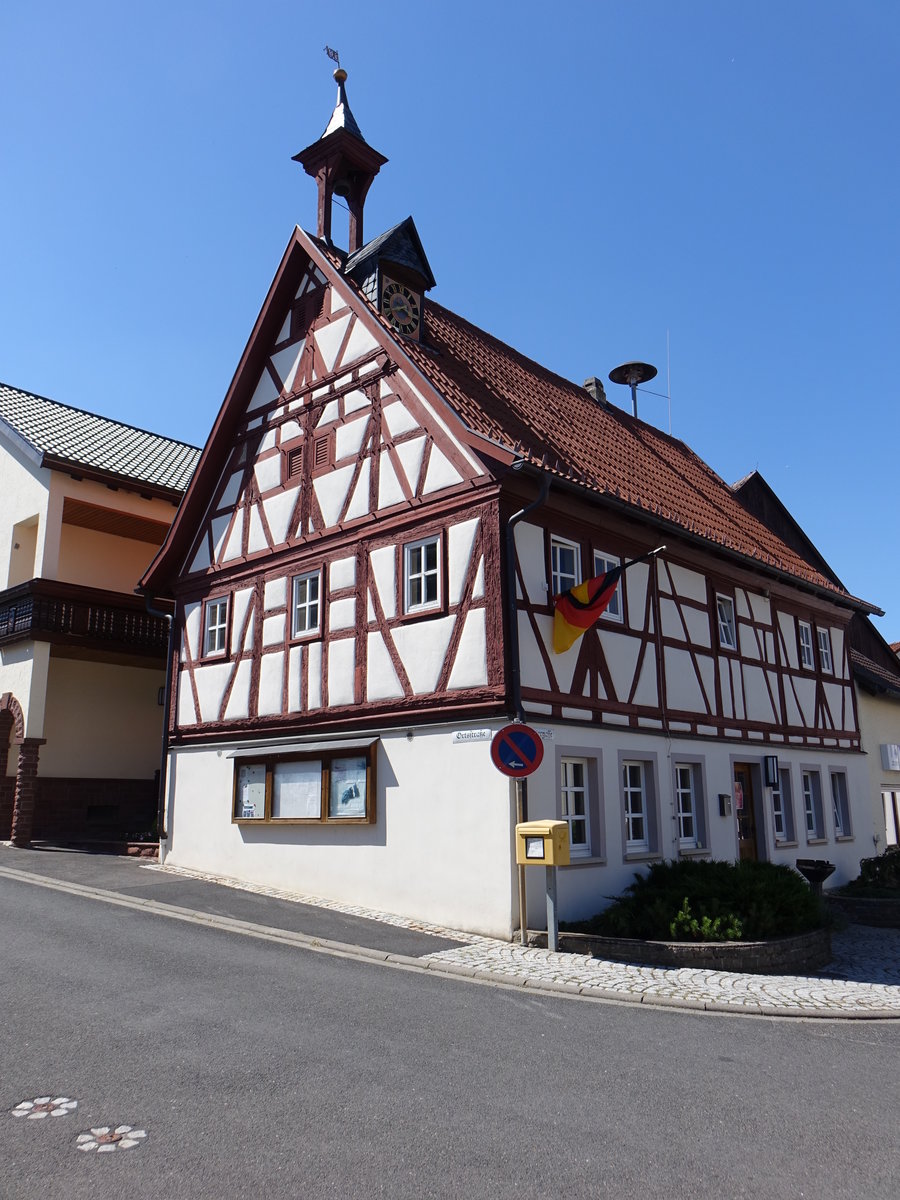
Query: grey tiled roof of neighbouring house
x=63, y=436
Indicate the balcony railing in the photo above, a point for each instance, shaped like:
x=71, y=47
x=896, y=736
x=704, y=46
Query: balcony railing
x=43, y=610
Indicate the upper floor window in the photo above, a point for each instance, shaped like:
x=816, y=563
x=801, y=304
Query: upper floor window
x=305, y=604
x=422, y=575
x=727, y=627
x=215, y=627
x=812, y=805
x=603, y=563
x=565, y=565
x=824, y=650
x=841, y=804
x=573, y=791
x=804, y=633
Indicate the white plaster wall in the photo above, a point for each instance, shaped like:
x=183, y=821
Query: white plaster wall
x=879, y=723
x=26, y=490
x=440, y=849
x=102, y=720
x=23, y=672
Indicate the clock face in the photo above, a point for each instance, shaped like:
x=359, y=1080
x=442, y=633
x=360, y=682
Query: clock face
x=401, y=307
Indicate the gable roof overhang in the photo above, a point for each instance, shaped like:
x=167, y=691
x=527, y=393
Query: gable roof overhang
x=300, y=248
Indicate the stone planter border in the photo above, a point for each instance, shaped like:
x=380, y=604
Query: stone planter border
x=780, y=956
x=883, y=912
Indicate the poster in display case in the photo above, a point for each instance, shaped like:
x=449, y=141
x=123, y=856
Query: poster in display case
x=250, y=793
x=347, y=796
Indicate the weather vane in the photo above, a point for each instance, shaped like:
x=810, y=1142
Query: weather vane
x=333, y=55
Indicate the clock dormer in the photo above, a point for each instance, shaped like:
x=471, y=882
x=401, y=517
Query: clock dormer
x=393, y=274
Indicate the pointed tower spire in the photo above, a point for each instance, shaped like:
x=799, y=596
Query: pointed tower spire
x=342, y=164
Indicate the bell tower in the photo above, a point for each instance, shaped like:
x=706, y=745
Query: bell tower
x=343, y=164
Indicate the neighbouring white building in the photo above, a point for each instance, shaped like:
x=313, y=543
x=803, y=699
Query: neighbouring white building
x=86, y=503
x=341, y=571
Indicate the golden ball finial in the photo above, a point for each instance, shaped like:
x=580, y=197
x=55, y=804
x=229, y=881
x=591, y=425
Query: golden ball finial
x=340, y=75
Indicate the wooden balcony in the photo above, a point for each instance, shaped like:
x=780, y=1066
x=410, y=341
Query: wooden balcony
x=67, y=614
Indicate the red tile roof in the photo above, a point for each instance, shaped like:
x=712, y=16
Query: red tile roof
x=507, y=397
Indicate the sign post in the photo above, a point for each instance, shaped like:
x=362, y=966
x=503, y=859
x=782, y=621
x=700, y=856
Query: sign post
x=517, y=751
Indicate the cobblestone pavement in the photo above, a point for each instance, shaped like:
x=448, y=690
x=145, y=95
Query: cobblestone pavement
x=862, y=980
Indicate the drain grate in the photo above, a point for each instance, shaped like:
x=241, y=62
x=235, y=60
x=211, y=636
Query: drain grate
x=45, y=1106
x=105, y=1138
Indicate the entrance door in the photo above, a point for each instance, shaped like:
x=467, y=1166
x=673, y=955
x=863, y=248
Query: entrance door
x=745, y=811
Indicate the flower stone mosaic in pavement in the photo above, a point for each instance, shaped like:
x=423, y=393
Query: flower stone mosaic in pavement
x=45, y=1106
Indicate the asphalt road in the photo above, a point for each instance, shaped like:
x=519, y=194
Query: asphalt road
x=264, y=1070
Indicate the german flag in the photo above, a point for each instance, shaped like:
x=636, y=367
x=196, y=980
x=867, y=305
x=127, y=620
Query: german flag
x=576, y=610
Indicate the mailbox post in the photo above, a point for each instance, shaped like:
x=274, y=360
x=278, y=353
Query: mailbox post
x=545, y=844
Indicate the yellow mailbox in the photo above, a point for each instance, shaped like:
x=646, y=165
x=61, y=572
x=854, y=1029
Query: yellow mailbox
x=542, y=844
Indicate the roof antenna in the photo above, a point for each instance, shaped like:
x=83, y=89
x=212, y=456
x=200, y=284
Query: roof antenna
x=633, y=373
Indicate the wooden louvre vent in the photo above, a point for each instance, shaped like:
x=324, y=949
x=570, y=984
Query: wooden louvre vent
x=295, y=462
x=320, y=452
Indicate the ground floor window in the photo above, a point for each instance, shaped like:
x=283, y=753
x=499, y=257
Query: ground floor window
x=812, y=805
x=689, y=806
x=891, y=801
x=840, y=804
x=574, y=804
x=640, y=830
x=330, y=786
x=783, y=808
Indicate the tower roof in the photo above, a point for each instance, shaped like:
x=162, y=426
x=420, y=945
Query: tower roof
x=342, y=117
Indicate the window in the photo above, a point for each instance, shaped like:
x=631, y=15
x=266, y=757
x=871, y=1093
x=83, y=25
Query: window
x=565, y=565
x=812, y=805
x=841, y=805
x=783, y=807
x=421, y=575
x=727, y=628
x=891, y=802
x=603, y=563
x=634, y=790
x=824, y=650
x=305, y=605
x=215, y=627
x=330, y=786
x=688, y=805
x=804, y=633
x=573, y=790
x=292, y=464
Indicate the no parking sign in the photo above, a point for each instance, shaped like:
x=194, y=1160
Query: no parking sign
x=517, y=750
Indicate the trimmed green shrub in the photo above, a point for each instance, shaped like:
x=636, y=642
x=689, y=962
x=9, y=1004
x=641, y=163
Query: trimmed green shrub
x=695, y=900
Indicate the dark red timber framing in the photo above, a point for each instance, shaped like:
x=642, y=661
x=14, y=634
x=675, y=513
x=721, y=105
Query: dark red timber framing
x=727, y=707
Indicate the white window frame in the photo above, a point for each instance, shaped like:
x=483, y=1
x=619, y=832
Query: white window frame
x=615, y=610
x=891, y=802
x=783, y=807
x=727, y=624
x=686, y=804
x=812, y=804
x=215, y=628
x=423, y=574
x=561, y=581
x=307, y=605
x=571, y=793
x=840, y=804
x=636, y=803
x=825, y=661
x=805, y=642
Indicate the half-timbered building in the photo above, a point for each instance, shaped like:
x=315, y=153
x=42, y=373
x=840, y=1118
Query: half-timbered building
x=364, y=569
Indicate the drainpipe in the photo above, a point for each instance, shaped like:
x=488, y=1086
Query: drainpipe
x=515, y=673
x=164, y=753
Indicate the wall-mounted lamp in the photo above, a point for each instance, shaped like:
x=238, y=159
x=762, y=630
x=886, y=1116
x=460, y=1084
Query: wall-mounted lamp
x=770, y=770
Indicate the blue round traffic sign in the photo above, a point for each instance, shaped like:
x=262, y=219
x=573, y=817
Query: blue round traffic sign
x=517, y=750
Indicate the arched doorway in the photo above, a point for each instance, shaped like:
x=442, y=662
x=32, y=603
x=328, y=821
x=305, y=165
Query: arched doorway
x=12, y=720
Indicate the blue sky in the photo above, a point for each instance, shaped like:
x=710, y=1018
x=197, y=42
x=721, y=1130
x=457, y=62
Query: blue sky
x=589, y=180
